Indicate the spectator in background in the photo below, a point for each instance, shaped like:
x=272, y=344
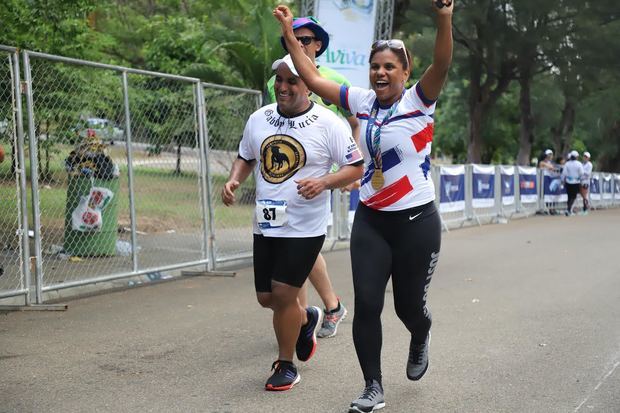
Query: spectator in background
x=585, y=181
x=571, y=175
x=314, y=40
x=1, y=154
x=551, y=169
x=545, y=160
x=558, y=164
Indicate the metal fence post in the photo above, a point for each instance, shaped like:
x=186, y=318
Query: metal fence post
x=130, y=178
x=21, y=171
x=469, y=192
x=517, y=186
x=436, y=177
x=204, y=198
x=540, y=182
x=34, y=178
x=211, y=264
x=498, y=208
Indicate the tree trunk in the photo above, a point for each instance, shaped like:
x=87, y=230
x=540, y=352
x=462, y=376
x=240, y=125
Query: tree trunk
x=609, y=159
x=39, y=169
x=178, y=167
x=526, y=127
x=476, y=111
x=474, y=147
x=562, y=133
x=48, y=172
x=13, y=158
x=482, y=97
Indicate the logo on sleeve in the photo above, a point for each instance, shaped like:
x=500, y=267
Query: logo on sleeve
x=281, y=157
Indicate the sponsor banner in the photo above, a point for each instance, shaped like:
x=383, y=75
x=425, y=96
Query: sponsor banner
x=483, y=179
x=452, y=188
x=527, y=184
x=617, y=186
x=553, y=187
x=595, y=188
x=507, y=174
x=351, y=28
x=606, y=187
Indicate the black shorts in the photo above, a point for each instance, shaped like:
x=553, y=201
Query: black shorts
x=286, y=260
x=585, y=186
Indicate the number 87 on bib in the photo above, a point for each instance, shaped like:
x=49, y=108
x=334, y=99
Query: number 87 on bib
x=270, y=213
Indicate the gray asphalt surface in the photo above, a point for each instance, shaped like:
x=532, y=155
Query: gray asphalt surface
x=526, y=319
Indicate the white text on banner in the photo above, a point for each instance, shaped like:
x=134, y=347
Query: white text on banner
x=351, y=28
x=452, y=188
x=483, y=194
x=527, y=185
x=507, y=174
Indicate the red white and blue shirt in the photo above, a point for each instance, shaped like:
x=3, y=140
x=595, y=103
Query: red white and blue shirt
x=406, y=139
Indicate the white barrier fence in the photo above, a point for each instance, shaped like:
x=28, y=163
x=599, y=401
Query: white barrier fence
x=484, y=194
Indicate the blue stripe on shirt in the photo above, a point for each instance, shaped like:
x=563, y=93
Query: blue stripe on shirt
x=344, y=97
x=428, y=102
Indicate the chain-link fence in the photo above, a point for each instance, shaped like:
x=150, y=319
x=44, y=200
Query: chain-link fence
x=64, y=99
x=13, y=240
x=227, y=110
x=118, y=171
x=166, y=169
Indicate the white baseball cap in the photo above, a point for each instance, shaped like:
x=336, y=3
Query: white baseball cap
x=548, y=152
x=586, y=154
x=287, y=61
x=574, y=153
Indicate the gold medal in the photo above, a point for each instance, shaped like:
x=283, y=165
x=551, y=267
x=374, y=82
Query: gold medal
x=377, y=179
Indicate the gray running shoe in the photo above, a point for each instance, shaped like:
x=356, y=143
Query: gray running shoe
x=370, y=400
x=331, y=321
x=418, y=359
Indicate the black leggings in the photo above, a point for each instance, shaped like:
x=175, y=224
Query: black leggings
x=572, y=190
x=402, y=244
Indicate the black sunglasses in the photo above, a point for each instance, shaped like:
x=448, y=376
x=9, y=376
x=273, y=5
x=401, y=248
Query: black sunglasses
x=305, y=40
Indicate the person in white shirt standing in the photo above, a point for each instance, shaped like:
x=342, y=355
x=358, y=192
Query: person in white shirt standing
x=291, y=146
x=571, y=175
x=584, y=188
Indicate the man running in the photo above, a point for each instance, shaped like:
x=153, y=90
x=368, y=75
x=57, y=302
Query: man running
x=291, y=146
x=314, y=40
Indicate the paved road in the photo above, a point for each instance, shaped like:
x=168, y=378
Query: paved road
x=526, y=319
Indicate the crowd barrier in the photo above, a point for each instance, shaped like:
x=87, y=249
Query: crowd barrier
x=171, y=141
x=484, y=194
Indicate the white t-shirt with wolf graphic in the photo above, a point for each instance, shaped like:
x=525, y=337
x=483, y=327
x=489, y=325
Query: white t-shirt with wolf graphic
x=289, y=149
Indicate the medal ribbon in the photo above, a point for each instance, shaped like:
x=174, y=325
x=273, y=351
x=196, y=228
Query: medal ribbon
x=373, y=140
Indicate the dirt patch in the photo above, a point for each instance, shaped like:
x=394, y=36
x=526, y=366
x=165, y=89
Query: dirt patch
x=151, y=225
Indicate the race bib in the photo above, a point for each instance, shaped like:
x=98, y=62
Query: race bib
x=270, y=213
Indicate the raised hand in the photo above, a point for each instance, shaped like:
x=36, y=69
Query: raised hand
x=443, y=6
x=284, y=15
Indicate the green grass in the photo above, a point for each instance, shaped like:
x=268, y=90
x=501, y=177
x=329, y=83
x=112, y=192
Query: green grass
x=163, y=200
